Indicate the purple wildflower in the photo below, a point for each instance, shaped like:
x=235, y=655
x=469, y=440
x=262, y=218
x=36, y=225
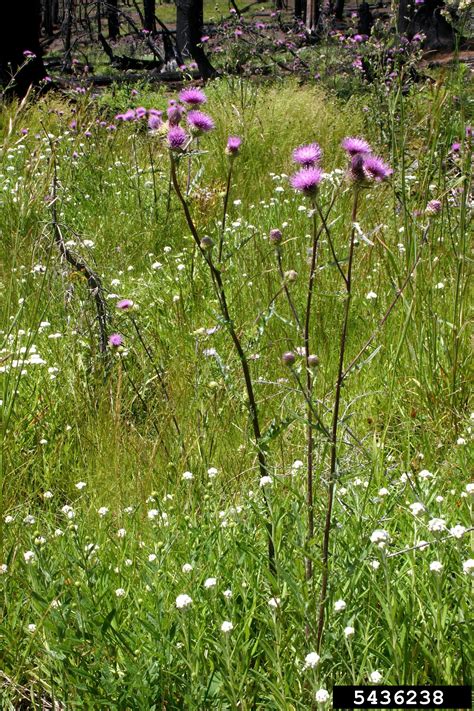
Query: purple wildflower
x=199, y=121
x=140, y=112
x=308, y=156
x=174, y=113
x=356, y=145
x=154, y=122
x=456, y=147
x=177, y=138
x=192, y=96
x=124, y=304
x=307, y=180
x=115, y=340
x=433, y=207
x=376, y=169
x=233, y=145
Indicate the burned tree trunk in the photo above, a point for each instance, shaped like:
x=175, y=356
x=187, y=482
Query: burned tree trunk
x=189, y=30
x=21, y=65
x=312, y=15
x=149, y=15
x=113, y=19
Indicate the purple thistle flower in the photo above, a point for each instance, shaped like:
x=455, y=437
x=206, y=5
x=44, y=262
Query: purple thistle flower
x=124, y=304
x=199, y=121
x=115, y=340
x=307, y=180
x=174, y=113
x=456, y=147
x=192, y=96
x=233, y=145
x=154, y=122
x=308, y=156
x=356, y=145
x=433, y=207
x=177, y=138
x=140, y=112
x=356, y=170
x=376, y=169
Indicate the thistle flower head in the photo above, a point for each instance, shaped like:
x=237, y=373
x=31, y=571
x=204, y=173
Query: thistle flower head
x=174, y=113
x=308, y=155
x=307, y=180
x=155, y=121
x=233, y=145
x=177, y=138
x=354, y=145
x=376, y=169
x=200, y=122
x=115, y=340
x=433, y=207
x=192, y=96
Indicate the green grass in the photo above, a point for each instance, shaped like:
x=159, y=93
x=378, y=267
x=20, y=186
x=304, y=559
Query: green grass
x=78, y=417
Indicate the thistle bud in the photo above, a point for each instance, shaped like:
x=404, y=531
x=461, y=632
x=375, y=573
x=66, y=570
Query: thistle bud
x=206, y=243
x=275, y=236
x=291, y=275
x=288, y=358
x=313, y=361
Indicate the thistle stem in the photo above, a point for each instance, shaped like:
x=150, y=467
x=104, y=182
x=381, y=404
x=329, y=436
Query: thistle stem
x=335, y=423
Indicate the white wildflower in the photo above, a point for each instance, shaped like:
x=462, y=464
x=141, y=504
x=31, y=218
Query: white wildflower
x=311, y=660
x=227, y=626
x=183, y=601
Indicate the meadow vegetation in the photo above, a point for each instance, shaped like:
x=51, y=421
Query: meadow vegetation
x=134, y=515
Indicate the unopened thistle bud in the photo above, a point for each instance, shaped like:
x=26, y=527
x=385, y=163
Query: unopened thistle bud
x=313, y=361
x=275, y=236
x=291, y=275
x=288, y=358
x=206, y=243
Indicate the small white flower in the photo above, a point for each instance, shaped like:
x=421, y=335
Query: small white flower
x=188, y=476
x=422, y=545
x=416, y=508
x=152, y=557
x=311, y=660
x=59, y=532
x=436, y=524
x=321, y=696
x=436, y=566
x=380, y=536
x=48, y=495
x=227, y=626
x=349, y=631
x=120, y=592
x=210, y=582
x=56, y=604
x=8, y=519
x=297, y=464
x=183, y=601
x=470, y=488
x=375, y=564
x=468, y=566
x=121, y=533
x=460, y=441
x=439, y=499
x=29, y=556
x=371, y=295
x=152, y=513
x=425, y=474
x=211, y=472
x=31, y=628
x=187, y=567
x=457, y=531
x=103, y=511
x=227, y=594
x=68, y=511
x=340, y=605
x=81, y=485
x=29, y=520
x=265, y=481
x=383, y=491
x=40, y=540
x=3, y=569
x=128, y=562
x=375, y=677
x=274, y=602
